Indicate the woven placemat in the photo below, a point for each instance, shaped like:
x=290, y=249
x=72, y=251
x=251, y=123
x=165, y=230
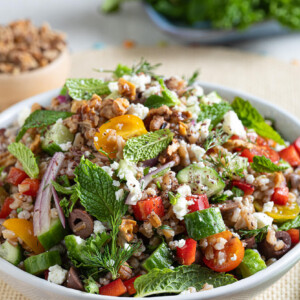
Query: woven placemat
x=265, y=77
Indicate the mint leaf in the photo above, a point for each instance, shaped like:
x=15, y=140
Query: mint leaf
x=213, y=112
x=26, y=158
x=295, y=223
x=147, y=146
x=251, y=118
x=40, y=118
x=96, y=191
x=178, y=280
x=84, y=88
x=262, y=164
x=62, y=189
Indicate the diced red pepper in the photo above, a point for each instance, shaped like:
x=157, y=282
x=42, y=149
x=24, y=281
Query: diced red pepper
x=280, y=195
x=294, y=234
x=290, y=155
x=200, y=202
x=247, y=188
x=29, y=187
x=130, y=285
x=5, y=209
x=261, y=151
x=246, y=153
x=187, y=254
x=15, y=176
x=297, y=145
x=115, y=288
x=144, y=208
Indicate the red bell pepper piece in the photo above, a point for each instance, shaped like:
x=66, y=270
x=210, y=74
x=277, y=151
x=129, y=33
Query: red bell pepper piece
x=294, y=234
x=144, y=208
x=280, y=195
x=29, y=187
x=200, y=202
x=15, y=176
x=130, y=285
x=187, y=254
x=261, y=150
x=297, y=145
x=247, y=188
x=115, y=288
x=5, y=209
x=291, y=155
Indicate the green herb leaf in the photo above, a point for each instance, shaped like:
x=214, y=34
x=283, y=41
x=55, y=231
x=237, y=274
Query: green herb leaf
x=147, y=146
x=84, y=88
x=262, y=164
x=193, y=78
x=122, y=70
x=173, y=198
x=259, y=233
x=96, y=191
x=161, y=173
x=178, y=280
x=237, y=192
x=90, y=285
x=213, y=112
x=295, y=223
x=62, y=189
x=215, y=138
x=26, y=158
x=251, y=118
x=143, y=66
x=41, y=118
x=218, y=198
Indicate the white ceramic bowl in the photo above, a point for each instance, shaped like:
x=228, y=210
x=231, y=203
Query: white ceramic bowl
x=37, y=288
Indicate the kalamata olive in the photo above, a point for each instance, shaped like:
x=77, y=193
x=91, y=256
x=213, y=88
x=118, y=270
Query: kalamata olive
x=228, y=206
x=81, y=223
x=250, y=242
x=73, y=280
x=268, y=251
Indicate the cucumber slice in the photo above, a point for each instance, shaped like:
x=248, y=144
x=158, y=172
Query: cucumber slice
x=203, y=223
x=39, y=263
x=161, y=258
x=57, y=135
x=201, y=179
x=12, y=254
x=251, y=264
x=54, y=235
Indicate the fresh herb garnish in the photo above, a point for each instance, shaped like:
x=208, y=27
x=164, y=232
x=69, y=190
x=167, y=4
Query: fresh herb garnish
x=84, y=88
x=216, y=138
x=193, y=78
x=259, y=233
x=42, y=118
x=218, y=198
x=263, y=164
x=173, y=198
x=26, y=158
x=161, y=173
x=90, y=285
x=251, y=118
x=147, y=146
x=237, y=192
x=175, y=281
x=295, y=223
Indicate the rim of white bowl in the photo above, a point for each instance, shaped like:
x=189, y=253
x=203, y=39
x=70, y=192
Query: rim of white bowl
x=279, y=267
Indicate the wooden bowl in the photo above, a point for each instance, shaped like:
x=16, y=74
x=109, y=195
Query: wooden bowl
x=14, y=88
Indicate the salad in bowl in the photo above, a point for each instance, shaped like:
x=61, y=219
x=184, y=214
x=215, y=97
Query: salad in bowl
x=143, y=185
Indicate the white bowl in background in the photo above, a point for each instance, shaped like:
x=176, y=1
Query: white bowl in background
x=37, y=289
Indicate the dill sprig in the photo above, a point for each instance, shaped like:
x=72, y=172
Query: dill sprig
x=143, y=66
x=215, y=138
x=259, y=233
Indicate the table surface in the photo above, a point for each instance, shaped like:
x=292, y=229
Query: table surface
x=87, y=28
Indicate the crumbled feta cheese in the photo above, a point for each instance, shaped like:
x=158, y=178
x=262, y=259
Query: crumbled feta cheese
x=228, y=193
x=116, y=183
x=262, y=219
x=57, y=274
x=198, y=91
x=211, y=98
x=181, y=243
x=59, y=121
x=139, y=81
x=237, y=199
x=192, y=105
x=152, y=90
x=66, y=146
x=79, y=240
x=108, y=170
x=110, y=263
x=250, y=178
x=98, y=227
x=127, y=246
x=233, y=257
x=114, y=166
x=23, y=115
x=268, y=206
x=119, y=194
x=113, y=86
x=138, y=110
x=233, y=125
x=180, y=208
x=204, y=129
x=196, y=151
x=190, y=290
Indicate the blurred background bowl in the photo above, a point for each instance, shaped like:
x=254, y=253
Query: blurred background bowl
x=15, y=88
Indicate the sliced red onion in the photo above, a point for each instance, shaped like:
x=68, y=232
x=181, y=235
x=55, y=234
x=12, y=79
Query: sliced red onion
x=148, y=178
x=58, y=207
x=62, y=99
x=150, y=162
x=42, y=206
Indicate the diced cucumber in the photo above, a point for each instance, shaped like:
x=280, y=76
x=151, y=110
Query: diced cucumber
x=203, y=223
x=251, y=264
x=201, y=179
x=54, y=235
x=39, y=263
x=57, y=135
x=161, y=258
x=12, y=254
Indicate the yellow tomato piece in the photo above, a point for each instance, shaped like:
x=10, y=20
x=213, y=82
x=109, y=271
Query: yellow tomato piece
x=126, y=126
x=24, y=230
x=281, y=213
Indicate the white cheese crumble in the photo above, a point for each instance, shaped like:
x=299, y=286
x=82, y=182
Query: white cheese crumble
x=180, y=208
x=250, y=178
x=116, y=183
x=211, y=98
x=113, y=86
x=138, y=110
x=139, y=81
x=79, y=240
x=190, y=290
x=99, y=227
x=192, y=105
x=114, y=165
x=152, y=90
x=228, y=193
x=233, y=125
x=233, y=257
x=268, y=206
x=262, y=219
x=198, y=91
x=127, y=246
x=204, y=129
x=108, y=170
x=23, y=115
x=181, y=243
x=57, y=274
x=196, y=151
x=119, y=194
x=66, y=146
